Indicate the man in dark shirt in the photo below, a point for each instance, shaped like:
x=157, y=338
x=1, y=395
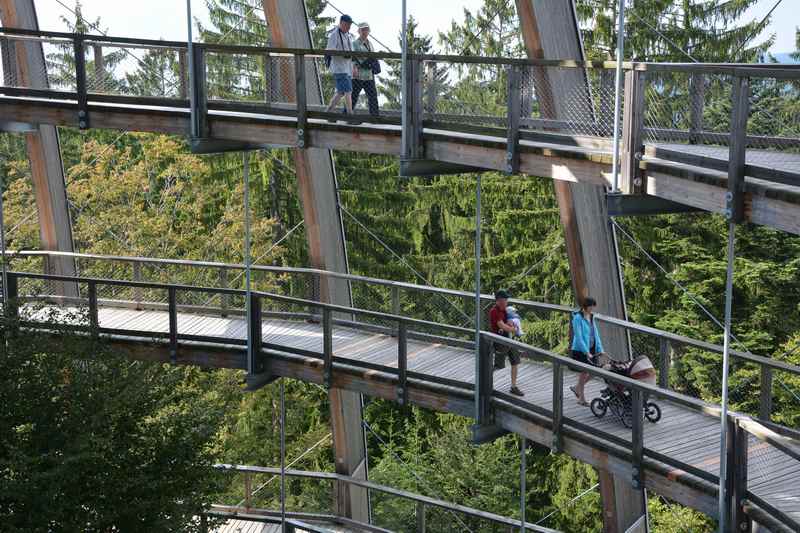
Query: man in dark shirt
x=499, y=326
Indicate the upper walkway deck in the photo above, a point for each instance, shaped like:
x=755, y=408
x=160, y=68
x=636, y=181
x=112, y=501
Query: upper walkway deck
x=408, y=343
x=463, y=114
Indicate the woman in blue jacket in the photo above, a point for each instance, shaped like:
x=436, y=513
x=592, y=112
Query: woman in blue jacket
x=585, y=343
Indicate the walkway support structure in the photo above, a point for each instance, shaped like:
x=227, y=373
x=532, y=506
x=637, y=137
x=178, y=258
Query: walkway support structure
x=44, y=153
x=550, y=30
x=316, y=178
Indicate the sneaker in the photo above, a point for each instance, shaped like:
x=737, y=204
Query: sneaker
x=515, y=390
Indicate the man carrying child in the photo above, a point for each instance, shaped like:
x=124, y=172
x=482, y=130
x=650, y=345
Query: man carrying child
x=500, y=324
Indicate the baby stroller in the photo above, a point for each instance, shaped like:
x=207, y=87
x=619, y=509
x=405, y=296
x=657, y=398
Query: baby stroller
x=616, y=398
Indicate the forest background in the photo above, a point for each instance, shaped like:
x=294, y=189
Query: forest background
x=146, y=195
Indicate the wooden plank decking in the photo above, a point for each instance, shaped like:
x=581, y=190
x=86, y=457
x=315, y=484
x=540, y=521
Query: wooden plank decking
x=687, y=436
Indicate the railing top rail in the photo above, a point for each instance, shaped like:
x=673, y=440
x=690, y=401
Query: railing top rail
x=388, y=490
x=543, y=306
x=270, y=296
x=781, y=71
x=788, y=445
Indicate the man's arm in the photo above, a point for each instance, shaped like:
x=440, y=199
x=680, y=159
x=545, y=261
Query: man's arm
x=333, y=43
x=505, y=327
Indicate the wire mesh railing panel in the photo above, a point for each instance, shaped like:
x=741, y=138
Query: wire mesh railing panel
x=249, y=77
x=37, y=63
x=773, y=125
x=785, y=399
x=393, y=513
x=129, y=70
x=772, y=474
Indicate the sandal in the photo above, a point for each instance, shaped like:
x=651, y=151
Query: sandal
x=517, y=391
x=580, y=402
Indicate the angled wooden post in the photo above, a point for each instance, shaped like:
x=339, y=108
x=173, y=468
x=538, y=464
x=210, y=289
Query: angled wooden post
x=558, y=405
x=765, y=403
x=631, y=181
x=402, y=364
x=300, y=92
x=80, y=82
x=740, y=108
x=514, y=114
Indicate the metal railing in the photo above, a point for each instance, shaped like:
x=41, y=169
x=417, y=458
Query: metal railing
x=445, y=314
x=562, y=102
x=422, y=506
x=637, y=449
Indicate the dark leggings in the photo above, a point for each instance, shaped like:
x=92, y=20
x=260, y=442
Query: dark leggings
x=372, y=94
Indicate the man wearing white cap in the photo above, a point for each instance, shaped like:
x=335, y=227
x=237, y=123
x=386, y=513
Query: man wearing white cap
x=366, y=68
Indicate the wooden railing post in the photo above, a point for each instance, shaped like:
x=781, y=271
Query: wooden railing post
x=327, y=347
x=200, y=90
x=730, y=469
x=402, y=363
x=740, y=108
x=514, y=114
x=137, y=291
x=697, y=91
x=300, y=99
x=172, y=298
x=80, y=82
x=255, y=364
x=558, y=405
x=248, y=490
x=11, y=307
x=413, y=147
x=421, y=517
x=396, y=303
x=94, y=319
x=182, y=75
x=631, y=180
x=765, y=403
x=484, y=382
x=224, y=298
x=637, y=438
x=739, y=520
x=665, y=362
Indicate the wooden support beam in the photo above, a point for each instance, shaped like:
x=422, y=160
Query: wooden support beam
x=558, y=406
x=300, y=101
x=664, y=362
x=402, y=364
x=173, y=324
x=200, y=129
x=47, y=172
x=255, y=365
x=80, y=82
x=318, y=191
x=739, y=520
x=637, y=438
x=414, y=147
x=740, y=109
x=631, y=180
x=327, y=347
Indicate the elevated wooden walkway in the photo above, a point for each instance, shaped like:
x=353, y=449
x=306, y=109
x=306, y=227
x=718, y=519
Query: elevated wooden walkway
x=433, y=365
x=670, y=159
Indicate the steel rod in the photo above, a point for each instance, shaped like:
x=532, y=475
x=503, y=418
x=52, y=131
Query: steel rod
x=404, y=72
x=477, y=291
x=523, y=467
x=190, y=57
x=283, y=457
x=247, y=260
x=3, y=243
x=723, y=496
x=618, y=92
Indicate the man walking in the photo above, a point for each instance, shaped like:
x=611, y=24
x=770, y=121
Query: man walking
x=342, y=66
x=498, y=325
x=364, y=76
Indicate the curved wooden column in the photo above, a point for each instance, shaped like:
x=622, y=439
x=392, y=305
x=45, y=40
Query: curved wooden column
x=44, y=154
x=316, y=178
x=550, y=30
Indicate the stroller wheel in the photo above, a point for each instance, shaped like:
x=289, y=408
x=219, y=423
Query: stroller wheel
x=652, y=412
x=627, y=418
x=598, y=407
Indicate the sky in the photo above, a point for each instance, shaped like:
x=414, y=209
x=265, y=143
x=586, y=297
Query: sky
x=167, y=18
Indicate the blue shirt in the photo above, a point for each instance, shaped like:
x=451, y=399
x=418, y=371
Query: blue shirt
x=583, y=332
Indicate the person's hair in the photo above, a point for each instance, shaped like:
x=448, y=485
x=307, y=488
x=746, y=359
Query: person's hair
x=588, y=302
x=501, y=294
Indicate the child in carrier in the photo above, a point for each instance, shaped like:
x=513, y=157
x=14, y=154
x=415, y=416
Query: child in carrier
x=513, y=319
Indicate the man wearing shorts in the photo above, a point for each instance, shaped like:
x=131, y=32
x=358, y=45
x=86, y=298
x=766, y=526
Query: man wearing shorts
x=342, y=66
x=498, y=325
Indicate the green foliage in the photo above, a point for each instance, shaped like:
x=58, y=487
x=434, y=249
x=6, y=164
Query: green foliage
x=94, y=442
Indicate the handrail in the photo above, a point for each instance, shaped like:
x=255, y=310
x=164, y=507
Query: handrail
x=737, y=69
x=426, y=500
x=542, y=306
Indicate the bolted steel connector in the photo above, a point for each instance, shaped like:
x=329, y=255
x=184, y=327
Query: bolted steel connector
x=82, y=124
x=82, y=113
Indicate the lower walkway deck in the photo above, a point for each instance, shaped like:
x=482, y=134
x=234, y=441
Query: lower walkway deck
x=682, y=436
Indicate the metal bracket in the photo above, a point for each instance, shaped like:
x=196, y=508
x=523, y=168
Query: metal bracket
x=624, y=205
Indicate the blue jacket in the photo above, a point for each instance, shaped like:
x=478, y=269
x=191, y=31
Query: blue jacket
x=582, y=332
